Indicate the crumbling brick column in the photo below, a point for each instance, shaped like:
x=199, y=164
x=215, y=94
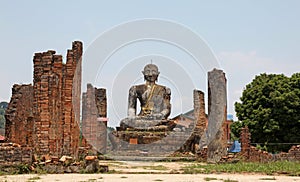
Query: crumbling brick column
x=94, y=121
x=19, y=116
x=101, y=103
x=245, y=139
x=46, y=83
x=89, y=116
x=217, y=111
x=199, y=113
x=56, y=91
x=55, y=106
x=71, y=97
x=192, y=144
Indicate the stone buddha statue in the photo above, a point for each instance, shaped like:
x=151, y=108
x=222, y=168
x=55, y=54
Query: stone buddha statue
x=154, y=102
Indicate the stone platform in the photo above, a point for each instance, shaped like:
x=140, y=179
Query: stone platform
x=144, y=144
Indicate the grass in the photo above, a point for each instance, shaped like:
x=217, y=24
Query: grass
x=34, y=178
x=209, y=179
x=159, y=167
x=280, y=167
x=230, y=180
x=89, y=180
x=273, y=178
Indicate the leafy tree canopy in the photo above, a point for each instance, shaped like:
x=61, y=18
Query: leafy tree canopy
x=3, y=105
x=270, y=107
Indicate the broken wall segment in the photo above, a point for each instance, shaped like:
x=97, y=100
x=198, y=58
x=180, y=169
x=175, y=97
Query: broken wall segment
x=48, y=107
x=251, y=153
x=199, y=124
x=94, y=119
x=12, y=153
x=245, y=139
x=19, y=116
x=55, y=91
x=199, y=114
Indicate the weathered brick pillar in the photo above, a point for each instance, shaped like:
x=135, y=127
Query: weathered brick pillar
x=94, y=121
x=89, y=115
x=245, y=139
x=47, y=103
x=217, y=111
x=101, y=103
x=71, y=97
x=55, y=106
x=83, y=125
x=18, y=115
x=42, y=74
x=77, y=53
x=37, y=74
x=200, y=118
x=57, y=88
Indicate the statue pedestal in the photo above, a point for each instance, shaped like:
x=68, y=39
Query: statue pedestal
x=146, y=124
x=148, y=138
x=143, y=130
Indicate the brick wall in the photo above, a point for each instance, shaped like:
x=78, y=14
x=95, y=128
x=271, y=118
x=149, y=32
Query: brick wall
x=56, y=89
x=292, y=155
x=45, y=110
x=19, y=116
x=12, y=153
x=251, y=153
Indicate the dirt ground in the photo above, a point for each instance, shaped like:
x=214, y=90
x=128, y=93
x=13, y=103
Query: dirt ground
x=146, y=171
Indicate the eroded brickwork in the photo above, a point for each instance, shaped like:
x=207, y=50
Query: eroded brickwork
x=19, y=116
x=56, y=129
x=47, y=106
x=13, y=153
x=199, y=124
x=94, y=121
x=292, y=155
x=200, y=116
x=251, y=153
x=245, y=139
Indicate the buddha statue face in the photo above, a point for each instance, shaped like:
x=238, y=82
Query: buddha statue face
x=150, y=73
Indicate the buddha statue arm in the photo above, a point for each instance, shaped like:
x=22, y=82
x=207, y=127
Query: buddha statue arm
x=132, y=97
x=166, y=104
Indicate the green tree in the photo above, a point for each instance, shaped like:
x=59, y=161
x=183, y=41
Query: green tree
x=3, y=106
x=270, y=107
x=2, y=121
x=235, y=129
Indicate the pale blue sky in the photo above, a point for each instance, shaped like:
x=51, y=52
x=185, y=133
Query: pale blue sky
x=248, y=37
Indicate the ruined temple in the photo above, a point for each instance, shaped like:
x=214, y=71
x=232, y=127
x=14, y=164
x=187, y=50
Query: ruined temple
x=43, y=118
x=45, y=115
